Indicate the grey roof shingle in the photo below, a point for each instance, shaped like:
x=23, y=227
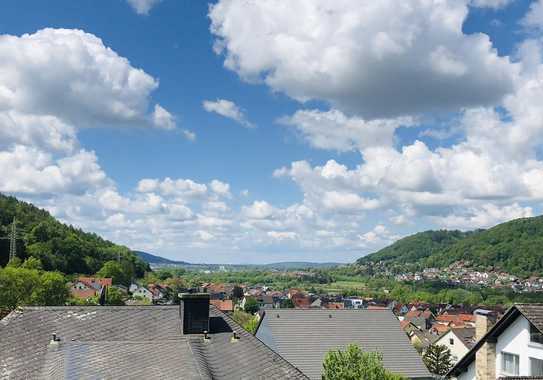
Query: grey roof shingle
x=130, y=342
x=466, y=335
x=533, y=312
x=303, y=337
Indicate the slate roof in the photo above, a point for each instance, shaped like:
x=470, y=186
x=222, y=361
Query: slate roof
x=130, y=342
x=303, y=337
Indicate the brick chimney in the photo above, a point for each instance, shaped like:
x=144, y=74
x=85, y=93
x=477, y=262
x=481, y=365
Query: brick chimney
x=194, y=312
x=485, y=358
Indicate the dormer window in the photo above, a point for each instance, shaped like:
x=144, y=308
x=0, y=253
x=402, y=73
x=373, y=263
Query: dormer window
x=535, y=335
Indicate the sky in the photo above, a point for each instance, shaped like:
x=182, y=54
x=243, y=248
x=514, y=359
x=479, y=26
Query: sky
x=258, y=131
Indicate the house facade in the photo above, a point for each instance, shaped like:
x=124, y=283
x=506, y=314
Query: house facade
x=458, y=340
x=512, y=348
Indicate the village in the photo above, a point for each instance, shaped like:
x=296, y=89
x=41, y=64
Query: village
x=423, y=323
x=462, y=273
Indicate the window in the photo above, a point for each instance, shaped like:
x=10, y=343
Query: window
x=535, y=335
x=451, y=342
x=510, y=364
x=536, y=367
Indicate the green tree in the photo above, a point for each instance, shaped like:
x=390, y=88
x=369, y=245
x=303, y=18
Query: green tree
x=354, y=364
x=22, y=286
x=51, y=290
x=237, y=292
x=438, y=359
x=114, y=297
x=32, y=263
x=16, y=286
x=116, y=271
x=251, y=306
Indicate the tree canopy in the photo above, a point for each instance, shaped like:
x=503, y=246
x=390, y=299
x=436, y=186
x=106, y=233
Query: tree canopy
x=21, y=286
x=59, y=247
x=514, y=247
x=438, y=359
x=354, y=364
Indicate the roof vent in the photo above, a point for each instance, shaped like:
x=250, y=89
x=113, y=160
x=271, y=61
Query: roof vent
x=235, y=336
x=54, y=339
x=194, y=313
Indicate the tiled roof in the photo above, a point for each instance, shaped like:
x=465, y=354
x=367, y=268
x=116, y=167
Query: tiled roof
x=466, y=335
x=130, y=342
x=533, y=312
x=223, y=305
x=303, y=337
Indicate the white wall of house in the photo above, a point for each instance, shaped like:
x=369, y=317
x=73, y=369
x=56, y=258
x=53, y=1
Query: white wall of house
x=142, y=292
x=454, y=344
x=516, y=340
x=469, y=374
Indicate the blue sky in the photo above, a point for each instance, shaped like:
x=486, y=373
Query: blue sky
x=245, y=131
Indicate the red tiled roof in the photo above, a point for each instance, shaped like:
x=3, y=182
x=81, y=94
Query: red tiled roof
x=226, y=305
x=89, y=281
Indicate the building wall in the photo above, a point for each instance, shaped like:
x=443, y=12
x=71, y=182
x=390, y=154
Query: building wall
x=458, y=348
x=516, y=340
x=469, y=374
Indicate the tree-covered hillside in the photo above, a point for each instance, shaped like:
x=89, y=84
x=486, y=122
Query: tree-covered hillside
x=58, y=246
x=515, y=247
x=416, y=247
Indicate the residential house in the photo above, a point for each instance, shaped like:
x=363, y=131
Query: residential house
x=303, y=337
x=86, y=287
x=510, y=349
x=353, y=303
x=96, y=282
x=317, y=304
x=218, y=291
x=265, y=301
x=458, y=340
x=456, y=320
x=421, y=339
x=423, y=319
x=158, y=291
x=142, y=292
x=334, y=305
x=192, y=341
x=301, y=300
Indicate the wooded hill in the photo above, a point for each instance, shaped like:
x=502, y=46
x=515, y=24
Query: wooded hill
x=58, y=246
x=515, y=247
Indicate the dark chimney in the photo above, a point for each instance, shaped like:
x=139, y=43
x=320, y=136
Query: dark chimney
x=194, y=311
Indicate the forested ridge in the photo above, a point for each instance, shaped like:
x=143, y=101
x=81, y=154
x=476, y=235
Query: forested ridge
x=58, y=246
x=515, y=247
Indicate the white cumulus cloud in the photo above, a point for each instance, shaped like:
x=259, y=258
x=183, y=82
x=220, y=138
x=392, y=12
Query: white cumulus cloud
x=227, y=109
x=371, y=58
